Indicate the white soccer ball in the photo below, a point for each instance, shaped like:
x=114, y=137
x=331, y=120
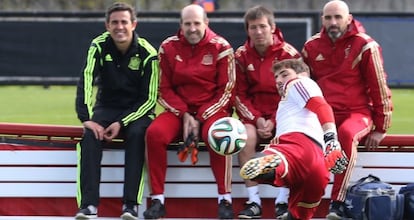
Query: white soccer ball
x=227, y=136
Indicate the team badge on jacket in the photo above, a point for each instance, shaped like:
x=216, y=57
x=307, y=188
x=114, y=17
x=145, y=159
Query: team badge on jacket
x=134, y=63
x=207, y=59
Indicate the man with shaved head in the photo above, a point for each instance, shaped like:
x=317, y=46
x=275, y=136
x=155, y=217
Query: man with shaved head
x=348, y=66
x=197, y=79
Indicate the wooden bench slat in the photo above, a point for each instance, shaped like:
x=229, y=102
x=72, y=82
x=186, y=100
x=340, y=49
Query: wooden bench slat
x=107, y=190
x=381, y=159
x=55, y=174
x=56, y=157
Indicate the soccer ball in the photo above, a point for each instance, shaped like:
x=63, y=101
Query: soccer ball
x=227, y=136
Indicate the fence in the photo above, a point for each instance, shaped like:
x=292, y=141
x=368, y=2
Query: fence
x=49, y=48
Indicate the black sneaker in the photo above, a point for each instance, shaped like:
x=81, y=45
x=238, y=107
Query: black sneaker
x=129, y=212
x=267, y=178
x=155, y=211
x=281, y=211
x=261, y=165
x=251, y=210
x=225, y=210
x=88, y=212
x=336, y=210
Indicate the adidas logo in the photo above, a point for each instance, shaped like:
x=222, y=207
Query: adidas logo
x=319, y=57
x=250, y=67
x=178, y=58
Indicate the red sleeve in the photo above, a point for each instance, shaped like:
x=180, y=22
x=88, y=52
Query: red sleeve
x=379, y=93
x=225, y=81
x=321, y=108
x=243, y=103
x=167, y=95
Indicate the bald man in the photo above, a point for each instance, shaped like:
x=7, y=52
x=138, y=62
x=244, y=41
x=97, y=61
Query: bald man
x=197, y=80
x=342, y=57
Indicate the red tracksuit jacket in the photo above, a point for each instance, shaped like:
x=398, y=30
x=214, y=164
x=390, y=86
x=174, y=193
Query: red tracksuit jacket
x=197, y=79
x=256, y=92
x=350, y=73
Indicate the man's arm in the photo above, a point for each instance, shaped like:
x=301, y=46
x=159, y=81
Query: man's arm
x=243, y=101
x=84, y=92
x=226, y=79
x=335, y=157
x=375, y=76
x=168, y=98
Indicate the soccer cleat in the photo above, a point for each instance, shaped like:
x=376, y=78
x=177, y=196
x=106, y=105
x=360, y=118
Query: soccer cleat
x=130, y=212
x=88, y=212
x=336, y=211
x=281, y=211
x=261, y=165
x=267, y=178
x=251, y=210
x=155, y=211
x=225, y=210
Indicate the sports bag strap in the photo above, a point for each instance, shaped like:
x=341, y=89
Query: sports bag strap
x=368, y=179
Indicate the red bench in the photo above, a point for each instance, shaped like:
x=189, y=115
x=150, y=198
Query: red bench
x=38, y=174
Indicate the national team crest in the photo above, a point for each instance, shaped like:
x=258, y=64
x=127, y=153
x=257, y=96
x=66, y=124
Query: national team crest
x=207, y=59
x=134, y=63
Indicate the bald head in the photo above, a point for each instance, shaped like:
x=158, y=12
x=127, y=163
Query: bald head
x=193, y=23
x=336, y=5
x=193, y=10
x=336, y=18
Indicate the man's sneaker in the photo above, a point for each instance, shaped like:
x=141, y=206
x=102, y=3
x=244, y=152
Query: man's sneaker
x=336, y=211
x=261, y=165
x=281, y=211
x=129, y=212
x=251, y=210
x=155, y=211
x=88, y=212
x=225, y=210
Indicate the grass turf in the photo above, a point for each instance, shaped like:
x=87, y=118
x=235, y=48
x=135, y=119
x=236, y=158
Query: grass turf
x=56, y=105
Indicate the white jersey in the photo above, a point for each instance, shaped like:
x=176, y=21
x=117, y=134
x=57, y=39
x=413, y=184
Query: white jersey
x=292, y=116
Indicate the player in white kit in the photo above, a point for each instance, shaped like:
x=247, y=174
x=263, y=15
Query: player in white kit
x=305, y=147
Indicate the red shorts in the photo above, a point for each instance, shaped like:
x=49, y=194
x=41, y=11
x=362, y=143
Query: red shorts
x=304, y=172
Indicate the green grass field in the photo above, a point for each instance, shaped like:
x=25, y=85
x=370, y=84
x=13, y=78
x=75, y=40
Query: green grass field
x=56, y=105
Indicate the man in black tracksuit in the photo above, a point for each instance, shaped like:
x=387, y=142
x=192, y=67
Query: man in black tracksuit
x=124, y=67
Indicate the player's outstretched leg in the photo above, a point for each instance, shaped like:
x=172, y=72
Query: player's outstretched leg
x=261, y=165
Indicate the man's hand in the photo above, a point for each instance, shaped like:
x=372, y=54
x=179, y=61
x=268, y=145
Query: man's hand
x=96, y=128
x=373, y=139
x=112, y=131
x=335, y=158
x=190, y=125
x=264, y=128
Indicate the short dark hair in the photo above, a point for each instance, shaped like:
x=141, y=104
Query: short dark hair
x=296, y=64
x=121, y=6
x=257, y=12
